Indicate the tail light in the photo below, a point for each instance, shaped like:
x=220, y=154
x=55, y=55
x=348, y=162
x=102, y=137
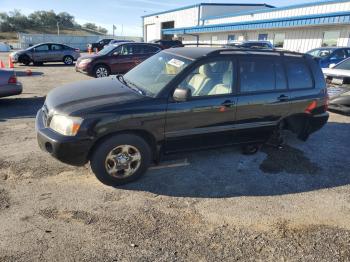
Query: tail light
x=12, y=80
x=311, y=107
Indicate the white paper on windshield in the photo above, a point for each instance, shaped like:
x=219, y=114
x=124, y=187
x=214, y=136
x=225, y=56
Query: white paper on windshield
x=176, y=63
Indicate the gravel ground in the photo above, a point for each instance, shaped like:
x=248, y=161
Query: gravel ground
x=278, y=205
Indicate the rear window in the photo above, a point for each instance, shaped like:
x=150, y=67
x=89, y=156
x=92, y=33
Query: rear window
x=261, y=74
x=299, y=74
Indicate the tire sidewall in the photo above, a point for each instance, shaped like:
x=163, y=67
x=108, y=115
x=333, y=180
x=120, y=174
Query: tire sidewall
x=101, y=66
x=101, y=151
x=64, y=60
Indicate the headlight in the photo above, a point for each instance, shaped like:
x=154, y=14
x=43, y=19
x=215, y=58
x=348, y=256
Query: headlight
x=65, y=125
x=85, y=61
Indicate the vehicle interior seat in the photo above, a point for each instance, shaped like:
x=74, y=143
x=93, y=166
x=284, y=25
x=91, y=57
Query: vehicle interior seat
x=224, y=87
x=201, y=80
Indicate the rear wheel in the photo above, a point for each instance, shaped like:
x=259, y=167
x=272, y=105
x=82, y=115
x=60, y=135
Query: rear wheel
x=121, y=159
x=101, y=71
x=68, y=60
x=250, y=149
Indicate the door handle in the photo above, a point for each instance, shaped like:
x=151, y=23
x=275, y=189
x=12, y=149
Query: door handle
x=228, y=103
x=283, y=98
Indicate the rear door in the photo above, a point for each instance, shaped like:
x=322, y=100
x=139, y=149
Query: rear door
x=263, y=95
x=41, y=53
x=57, y=52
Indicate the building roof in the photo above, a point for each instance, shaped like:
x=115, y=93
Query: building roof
x=295, y=21
x=208, y=4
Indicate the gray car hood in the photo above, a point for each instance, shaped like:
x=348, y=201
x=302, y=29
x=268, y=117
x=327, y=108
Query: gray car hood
x=82, y=97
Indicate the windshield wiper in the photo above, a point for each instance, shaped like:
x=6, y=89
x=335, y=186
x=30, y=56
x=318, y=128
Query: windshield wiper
x=121, y=79
x=131, y=85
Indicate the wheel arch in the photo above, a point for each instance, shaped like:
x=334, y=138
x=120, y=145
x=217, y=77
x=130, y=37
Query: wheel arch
x=147, y=136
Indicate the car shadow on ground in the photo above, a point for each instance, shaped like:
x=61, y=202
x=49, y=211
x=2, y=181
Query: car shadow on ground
x=15, y=108
x=25, y=73
x=226, y=172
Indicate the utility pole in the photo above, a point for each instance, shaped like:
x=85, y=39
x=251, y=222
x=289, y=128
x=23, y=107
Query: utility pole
x=58, y=28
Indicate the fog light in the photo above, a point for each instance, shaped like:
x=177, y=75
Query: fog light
x=48, y=147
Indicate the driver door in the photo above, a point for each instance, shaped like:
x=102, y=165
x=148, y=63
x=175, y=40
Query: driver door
x=207, y=118
x=41, y=53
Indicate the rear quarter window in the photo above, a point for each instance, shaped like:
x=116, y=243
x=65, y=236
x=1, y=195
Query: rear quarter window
x=299, y=74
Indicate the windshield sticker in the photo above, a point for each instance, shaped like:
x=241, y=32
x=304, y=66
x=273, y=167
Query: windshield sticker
x=176, y=63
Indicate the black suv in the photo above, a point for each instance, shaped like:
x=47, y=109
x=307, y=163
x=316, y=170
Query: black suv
x=99, y=45
x=180, y=99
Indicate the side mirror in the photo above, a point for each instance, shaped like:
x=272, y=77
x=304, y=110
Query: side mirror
x=181, y=94
x=332, y=65
x=116, y=53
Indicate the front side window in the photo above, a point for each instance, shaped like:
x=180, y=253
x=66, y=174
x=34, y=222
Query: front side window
x=261, y=74
x=330, y=38
x=338, y=54
x=323, y=52
x=345, y=65
x=156, y=72
x=299, y=74
x=212, y=78
x=42, y=48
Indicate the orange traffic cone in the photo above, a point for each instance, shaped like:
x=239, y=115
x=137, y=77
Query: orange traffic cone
x=29, y=72
x=2, y=64
x=11, y=65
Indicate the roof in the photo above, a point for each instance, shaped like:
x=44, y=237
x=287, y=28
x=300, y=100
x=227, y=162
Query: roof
x=317, y=3
x=295, y=21
x=207, y=4
x=192, y=53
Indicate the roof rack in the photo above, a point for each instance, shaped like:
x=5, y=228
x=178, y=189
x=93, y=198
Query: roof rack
x=197, y=45
x=255, y=50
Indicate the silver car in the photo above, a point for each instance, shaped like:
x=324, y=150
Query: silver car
x=9, y=86
x=46, y=52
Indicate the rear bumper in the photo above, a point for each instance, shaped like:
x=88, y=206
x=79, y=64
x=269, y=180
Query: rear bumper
x=70, y=150
x=11, y=90
x=316, y=122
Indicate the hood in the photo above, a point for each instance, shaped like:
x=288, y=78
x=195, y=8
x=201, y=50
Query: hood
x=83, y=97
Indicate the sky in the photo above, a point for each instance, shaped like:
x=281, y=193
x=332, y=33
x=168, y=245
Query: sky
x=125, y=14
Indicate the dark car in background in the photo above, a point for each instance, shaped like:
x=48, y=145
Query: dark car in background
x=116, y=59
x=100, y=44
x=328, y=56
x=253, y=44
x=46, y=52
x=182, y=99
x=165, y=44
x=9, y=86
x=113, y=42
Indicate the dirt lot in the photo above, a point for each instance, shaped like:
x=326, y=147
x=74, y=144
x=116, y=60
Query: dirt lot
x=278, y=205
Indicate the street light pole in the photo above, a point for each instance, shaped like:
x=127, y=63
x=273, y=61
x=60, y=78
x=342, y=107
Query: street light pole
x=58, y=28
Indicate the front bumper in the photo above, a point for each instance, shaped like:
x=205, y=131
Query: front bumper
x=70, y=150
x=11, y=89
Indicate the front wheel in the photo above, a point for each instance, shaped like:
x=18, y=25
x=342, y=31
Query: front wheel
x=101, y=71
x=121, y=159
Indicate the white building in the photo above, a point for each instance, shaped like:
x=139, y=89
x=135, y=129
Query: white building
x=296, y=27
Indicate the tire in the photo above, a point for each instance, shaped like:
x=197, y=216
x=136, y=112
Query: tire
x=250, y=149
x=101, y=71
x=68, y=60
x=25, y=60
x=104, y=158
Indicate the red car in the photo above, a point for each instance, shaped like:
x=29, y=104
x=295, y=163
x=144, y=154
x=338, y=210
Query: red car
x=116, y=59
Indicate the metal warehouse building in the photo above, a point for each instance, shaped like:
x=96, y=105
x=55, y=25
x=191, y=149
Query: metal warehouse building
x=296, y=27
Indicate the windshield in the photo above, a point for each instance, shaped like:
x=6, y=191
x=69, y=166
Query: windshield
x=345, y=65
x=156, y=72
x=107, y=49
x=320, y=52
